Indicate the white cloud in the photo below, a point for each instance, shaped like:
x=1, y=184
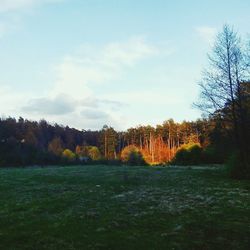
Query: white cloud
x=13, y=5
x=206, y=33
x=127, y=53
x=81, y=114
x=12, y=12
x=77, y=73
x=10, y=101
x=59, y=105
x=94, y=114
x=73, y=99
x=90, y=66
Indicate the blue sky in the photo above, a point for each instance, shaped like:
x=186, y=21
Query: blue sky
x=86, y=63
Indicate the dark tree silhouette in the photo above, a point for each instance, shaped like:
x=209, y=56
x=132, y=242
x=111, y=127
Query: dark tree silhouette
x=224, y=92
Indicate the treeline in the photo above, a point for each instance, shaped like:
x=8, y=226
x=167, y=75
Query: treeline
x=24, y=142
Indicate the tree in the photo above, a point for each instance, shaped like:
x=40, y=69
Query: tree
x=94, y=153
x=222, y=92
x=56, y=146
x=108, y=142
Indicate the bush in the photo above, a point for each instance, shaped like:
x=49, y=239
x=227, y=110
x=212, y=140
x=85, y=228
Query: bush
x=210, y=155
x=189, y=154
x=69, y=155
x=237, y=168
x=181, y=157
x=131, y=155
x=91, y=152
x=94, y=153
x=195, y=154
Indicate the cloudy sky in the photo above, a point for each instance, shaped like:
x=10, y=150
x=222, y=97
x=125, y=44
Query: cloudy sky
x=86, y=63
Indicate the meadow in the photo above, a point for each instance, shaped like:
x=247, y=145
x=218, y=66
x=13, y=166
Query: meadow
x=118, y=207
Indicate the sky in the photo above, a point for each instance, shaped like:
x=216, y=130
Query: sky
x=86, y=63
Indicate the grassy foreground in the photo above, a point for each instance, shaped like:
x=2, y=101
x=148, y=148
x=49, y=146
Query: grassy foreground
x=104, y=207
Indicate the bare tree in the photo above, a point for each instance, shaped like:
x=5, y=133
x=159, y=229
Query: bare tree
x=223, y=90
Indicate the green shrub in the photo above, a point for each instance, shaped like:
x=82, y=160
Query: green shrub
x=131, y=155
x=181, y=157
x=69, y=155
x=189, y=154
x=237, y=168
x=91, y=152
x=195, y=154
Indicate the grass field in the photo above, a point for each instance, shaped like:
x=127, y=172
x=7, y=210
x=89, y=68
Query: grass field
x=108, y=207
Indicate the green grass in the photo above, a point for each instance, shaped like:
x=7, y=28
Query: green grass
x=108, y=207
